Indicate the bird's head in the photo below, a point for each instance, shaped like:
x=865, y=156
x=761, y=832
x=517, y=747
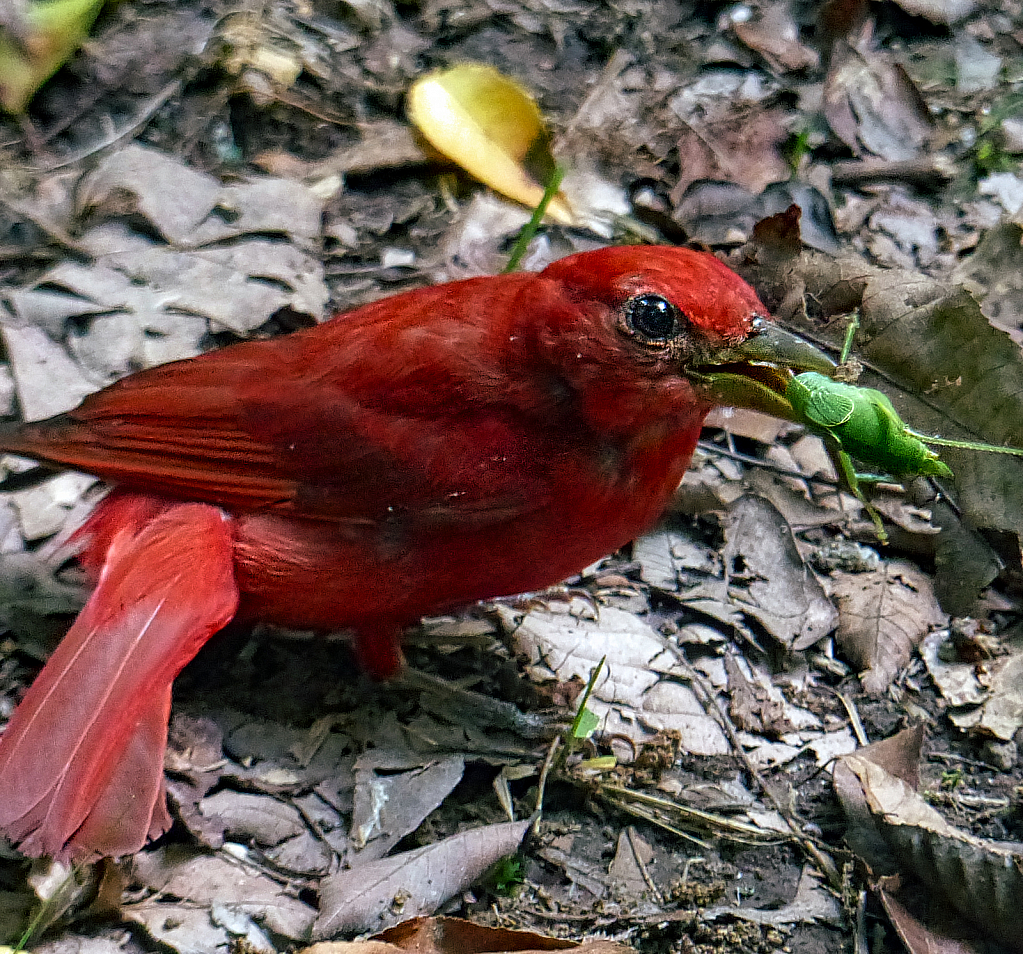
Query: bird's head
x=662, y=330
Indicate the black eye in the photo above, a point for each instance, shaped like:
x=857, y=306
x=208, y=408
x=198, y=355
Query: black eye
x=653, y=317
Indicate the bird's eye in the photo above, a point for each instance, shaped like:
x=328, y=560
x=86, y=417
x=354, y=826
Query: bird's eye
x=652, y=317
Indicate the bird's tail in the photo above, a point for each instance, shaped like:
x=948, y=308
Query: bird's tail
x=81, y=760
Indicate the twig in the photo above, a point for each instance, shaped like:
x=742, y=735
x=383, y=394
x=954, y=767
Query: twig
x=822, y=861
x=149, y=109
x=630, y=833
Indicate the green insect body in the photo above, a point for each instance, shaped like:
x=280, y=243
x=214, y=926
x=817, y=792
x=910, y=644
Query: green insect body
x=864, y=424
x=854, y=423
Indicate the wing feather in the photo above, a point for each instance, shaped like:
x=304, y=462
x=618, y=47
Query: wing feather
x=407, y=400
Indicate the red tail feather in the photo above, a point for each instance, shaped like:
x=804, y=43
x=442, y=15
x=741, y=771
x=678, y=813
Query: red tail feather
x=81, y=761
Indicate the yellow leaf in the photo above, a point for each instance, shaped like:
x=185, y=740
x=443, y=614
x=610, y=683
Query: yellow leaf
x=489, y=125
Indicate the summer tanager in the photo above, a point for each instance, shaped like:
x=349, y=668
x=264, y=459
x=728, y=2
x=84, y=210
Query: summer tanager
x=471, y=440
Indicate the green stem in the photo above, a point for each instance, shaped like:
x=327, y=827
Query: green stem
x=529, y=229
x=850, y=336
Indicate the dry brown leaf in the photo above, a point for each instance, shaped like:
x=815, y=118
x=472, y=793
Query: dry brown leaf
x=920, y=938
x=440, y=935
x=939, y=11
x=779, y=590
x=774, y=34
x=252, y=818
x=350, y=947
x=982, y=880
x=394, y=792
x=201, y=885
x=373, y=896
x=190, y=208
x=636, y=694
x=458, y=936
x=994, y=273
x=986, y=696
x=814, y=903
x=752, y=707
x=883, y=616
x=742, y=146
x=873, y=106
x=46, y=380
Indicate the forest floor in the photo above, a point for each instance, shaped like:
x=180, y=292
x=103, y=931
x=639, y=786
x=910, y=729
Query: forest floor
x=755, y=644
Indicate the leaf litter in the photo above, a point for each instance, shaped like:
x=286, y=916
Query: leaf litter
x=726, y=640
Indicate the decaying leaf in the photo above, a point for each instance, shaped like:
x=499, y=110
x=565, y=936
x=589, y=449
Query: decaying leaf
x=190, y=208
x=635, y=695
x=46, y=381
x=882, y=616
x=994, y=273
x=754, y=708
x=813, y=902
x=144, y=301
x=985, y=695
x=491, y=127
x=873, y=106
x=394, y=792
x=742, y=144
x=939, y=11
x=782, y=593
x=981, y=880
x=774, y=34
x=203, y=901
x=382, y=893
x=457, y=936
x=248, y=818
x=448, y=935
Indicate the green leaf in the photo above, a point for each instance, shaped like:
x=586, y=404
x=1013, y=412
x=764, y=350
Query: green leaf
x=586, y=722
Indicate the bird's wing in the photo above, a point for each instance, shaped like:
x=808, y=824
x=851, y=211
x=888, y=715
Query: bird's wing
x=81, y=760
x=376, y=407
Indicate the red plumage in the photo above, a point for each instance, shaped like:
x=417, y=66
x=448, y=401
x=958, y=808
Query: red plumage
x=466, y=441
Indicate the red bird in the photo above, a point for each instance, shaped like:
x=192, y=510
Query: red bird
x=452, y=444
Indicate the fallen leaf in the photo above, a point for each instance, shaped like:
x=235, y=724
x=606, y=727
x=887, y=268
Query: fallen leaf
x=381, y=893
x=813, y=903
x=742, y=145
x=261, y=819
x=774, y=34
x=769, y=580
x=394, y=792
x=201, y=882
x=883, y=617
x=872, y=105
x=939, y=11
x=981, y=880
x=985, y=696
x=490, y=126
x=635, y=694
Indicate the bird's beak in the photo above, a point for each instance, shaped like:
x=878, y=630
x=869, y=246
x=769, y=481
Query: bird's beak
x=771, y=344
x=756, y=372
